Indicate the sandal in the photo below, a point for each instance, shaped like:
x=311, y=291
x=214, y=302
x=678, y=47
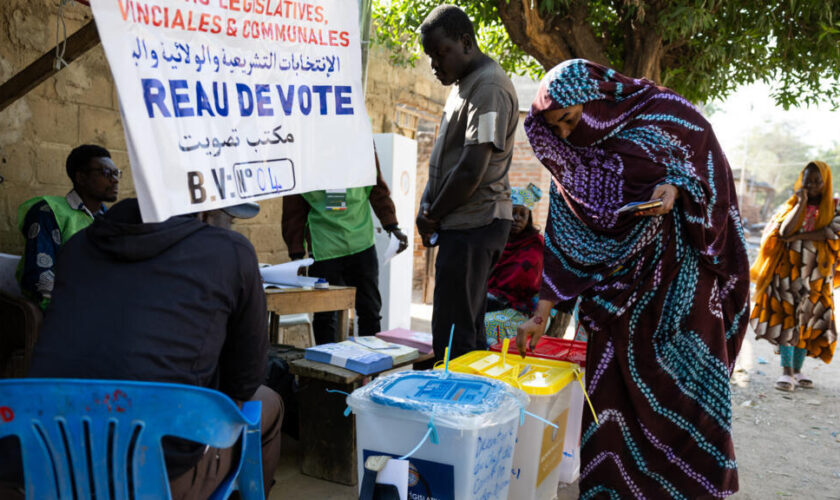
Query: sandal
x=785, y=383
x=803, y=381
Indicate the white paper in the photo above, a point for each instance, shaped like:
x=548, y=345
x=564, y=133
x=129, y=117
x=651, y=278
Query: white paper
x=287, y=274
x=374, y=343
x=266, y=286
x=398, y=352
x=422, y=337
x=224, y=102
x=393, y=247
x=396, y=473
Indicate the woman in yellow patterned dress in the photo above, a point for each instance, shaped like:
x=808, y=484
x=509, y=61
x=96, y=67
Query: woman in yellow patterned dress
x=795, y=276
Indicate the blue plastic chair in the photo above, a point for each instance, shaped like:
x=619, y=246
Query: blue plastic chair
x=102, y=437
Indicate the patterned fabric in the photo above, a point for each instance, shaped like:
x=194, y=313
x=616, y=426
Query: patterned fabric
x=796, y=306
x=527, y=196
x=792, y=357
x=517, y=275
x=43, y=239
x=663, y=298
x=500, y=325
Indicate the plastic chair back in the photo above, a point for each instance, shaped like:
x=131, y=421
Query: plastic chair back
x=102, y=438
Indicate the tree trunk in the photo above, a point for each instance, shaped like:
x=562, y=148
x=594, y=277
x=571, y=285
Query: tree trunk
x=643, y=56
x=643, y=46
x=553, y=37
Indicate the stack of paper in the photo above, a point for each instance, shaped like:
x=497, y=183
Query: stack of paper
x=351, y=356
x=419, y=340
x=400, y=353
x=286, y=274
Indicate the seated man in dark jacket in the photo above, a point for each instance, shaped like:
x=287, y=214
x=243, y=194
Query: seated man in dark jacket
x=177, y=301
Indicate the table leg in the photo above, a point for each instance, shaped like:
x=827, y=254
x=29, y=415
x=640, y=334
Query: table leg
x=273, y=328
x=343, y=324
x=327, y=436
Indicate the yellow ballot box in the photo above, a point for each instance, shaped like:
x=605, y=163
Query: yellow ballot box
x=539, y=449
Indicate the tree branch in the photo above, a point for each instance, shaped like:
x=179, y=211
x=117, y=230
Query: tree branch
x=553, y=37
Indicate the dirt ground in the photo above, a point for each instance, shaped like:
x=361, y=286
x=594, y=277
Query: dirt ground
x=787, y=444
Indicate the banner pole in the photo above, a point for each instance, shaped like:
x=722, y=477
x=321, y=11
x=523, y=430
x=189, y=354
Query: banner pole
x=365, y=15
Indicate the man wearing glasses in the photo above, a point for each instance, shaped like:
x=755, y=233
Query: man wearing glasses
x=47, y=222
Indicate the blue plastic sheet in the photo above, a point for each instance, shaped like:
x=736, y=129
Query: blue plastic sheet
x=454, y=399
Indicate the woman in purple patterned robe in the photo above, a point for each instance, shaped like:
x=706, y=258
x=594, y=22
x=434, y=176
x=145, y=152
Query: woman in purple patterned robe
x=664, y=292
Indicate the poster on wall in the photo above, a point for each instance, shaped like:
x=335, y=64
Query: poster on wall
x=227, y=101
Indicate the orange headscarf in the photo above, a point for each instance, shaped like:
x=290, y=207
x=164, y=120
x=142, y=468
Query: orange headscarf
x=772, y=245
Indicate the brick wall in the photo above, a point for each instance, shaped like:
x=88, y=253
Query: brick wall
x=388, y=87
x=38, y=131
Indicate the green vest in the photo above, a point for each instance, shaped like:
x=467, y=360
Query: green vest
x=70, y=221
x=338, y=233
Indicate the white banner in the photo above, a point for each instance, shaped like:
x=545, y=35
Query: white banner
x=226, y=101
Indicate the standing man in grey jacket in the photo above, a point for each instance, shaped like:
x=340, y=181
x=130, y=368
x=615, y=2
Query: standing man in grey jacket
x=466, y=203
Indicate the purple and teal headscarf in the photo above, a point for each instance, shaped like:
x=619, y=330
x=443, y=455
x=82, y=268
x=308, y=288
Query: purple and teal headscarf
x=632, y=136
x=578, y=81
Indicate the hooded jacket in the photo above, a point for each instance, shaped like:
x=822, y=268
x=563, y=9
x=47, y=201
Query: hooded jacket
x=176, y=301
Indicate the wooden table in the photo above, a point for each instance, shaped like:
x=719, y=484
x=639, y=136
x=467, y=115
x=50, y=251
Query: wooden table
x=328, y=437
x=298, y=300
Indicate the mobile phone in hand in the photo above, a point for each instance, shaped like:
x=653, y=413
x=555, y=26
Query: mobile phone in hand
x=638, y=206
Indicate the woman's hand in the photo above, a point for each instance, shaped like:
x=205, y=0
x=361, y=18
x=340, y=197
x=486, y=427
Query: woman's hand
x=802, y=196
x=668, y=193
x=534, y=327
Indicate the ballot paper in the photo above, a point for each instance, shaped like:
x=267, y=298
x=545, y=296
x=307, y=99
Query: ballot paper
x=286, y=274
x=396, y=473
x=351, y=356
x=393, y=248
x=400, y=353
x=419, y=340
